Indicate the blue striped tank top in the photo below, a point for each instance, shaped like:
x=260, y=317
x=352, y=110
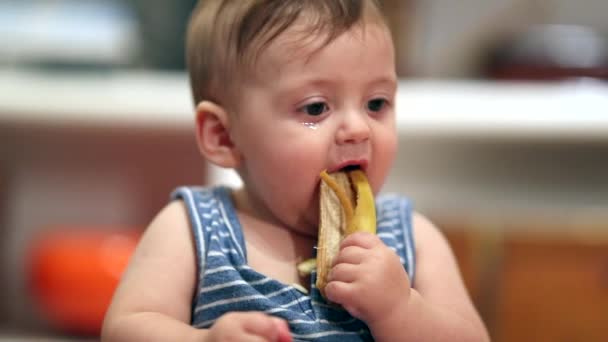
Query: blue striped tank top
x=226, y=283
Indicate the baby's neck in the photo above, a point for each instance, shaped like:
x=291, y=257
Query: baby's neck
x=284, y=243
x=272, y=248
x=246, y=205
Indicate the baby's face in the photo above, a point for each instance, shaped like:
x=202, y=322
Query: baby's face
x=309, y=112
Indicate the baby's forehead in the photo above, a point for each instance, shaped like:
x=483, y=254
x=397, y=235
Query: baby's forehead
x=299, y=45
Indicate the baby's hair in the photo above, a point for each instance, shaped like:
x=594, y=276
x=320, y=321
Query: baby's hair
x=225, y=37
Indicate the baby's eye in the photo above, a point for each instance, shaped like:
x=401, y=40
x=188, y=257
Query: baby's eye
x=315, y=109
x=376, y=105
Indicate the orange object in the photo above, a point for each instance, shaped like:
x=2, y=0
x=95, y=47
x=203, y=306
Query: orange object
x=73, y=273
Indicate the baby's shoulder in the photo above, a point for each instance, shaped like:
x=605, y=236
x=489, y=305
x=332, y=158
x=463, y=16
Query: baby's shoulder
x=167, y=236
x=173, y=214
x=399, y=209
x=427, y=235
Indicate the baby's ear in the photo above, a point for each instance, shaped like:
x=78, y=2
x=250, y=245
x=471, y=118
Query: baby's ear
x=213, y=135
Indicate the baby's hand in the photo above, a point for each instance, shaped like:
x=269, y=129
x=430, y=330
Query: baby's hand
x=368, y=279
x=249, y=326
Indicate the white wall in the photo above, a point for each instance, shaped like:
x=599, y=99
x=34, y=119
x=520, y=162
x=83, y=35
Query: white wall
x=449, y=35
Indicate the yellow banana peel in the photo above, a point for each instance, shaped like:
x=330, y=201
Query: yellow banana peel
x=346, y=206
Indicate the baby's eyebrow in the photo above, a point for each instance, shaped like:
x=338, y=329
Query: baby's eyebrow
x=304, y=84
x=326, y=82
x=385, y=80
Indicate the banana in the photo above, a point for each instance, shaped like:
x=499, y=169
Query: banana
x=364, y=219
x=346, y=207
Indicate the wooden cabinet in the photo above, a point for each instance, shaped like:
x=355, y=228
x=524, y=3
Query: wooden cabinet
x=536, y=284
x=552, y=289
x=477, y=254
x=464, y=249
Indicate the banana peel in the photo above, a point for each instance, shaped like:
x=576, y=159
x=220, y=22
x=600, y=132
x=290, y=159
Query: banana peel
x=347, y=206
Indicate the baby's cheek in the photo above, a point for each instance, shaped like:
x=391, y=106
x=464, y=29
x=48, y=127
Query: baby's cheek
x=299, y=197
x=384, y=157
x=289, y=188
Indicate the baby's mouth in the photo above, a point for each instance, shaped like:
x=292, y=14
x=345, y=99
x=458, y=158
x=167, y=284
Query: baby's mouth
x=346, y=170
x=351, y=168
x=351, y=165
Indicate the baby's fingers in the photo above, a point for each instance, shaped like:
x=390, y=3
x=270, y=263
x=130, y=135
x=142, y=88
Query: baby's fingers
x=346, y=273
x=344, y=294
x=361, y=239
x=267, y=327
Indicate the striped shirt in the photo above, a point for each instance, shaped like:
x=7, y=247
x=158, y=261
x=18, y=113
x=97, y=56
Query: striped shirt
x=226, y=283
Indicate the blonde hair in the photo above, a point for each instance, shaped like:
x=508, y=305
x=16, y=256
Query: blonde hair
x=225, y=37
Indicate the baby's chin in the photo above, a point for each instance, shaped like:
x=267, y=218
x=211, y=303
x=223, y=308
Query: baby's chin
x=307, y=223
x=306, y=227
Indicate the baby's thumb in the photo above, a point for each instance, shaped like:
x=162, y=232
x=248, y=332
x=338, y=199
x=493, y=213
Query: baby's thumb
x=283, y=330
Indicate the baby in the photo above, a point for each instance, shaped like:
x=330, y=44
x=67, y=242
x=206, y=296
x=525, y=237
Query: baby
x=285, y=89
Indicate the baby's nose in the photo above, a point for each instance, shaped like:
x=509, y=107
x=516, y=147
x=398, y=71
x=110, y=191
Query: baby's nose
x=354, y=128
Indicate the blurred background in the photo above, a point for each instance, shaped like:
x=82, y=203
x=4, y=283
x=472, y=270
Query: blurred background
x=503, y=128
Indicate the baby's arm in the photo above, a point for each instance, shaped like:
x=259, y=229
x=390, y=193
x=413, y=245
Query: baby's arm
x=153, y=301
x=370, y=282
x=439, y=306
